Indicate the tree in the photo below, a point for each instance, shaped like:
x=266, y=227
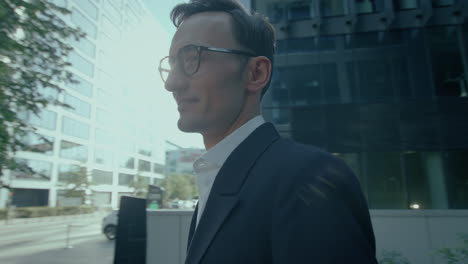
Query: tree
x=33, y=62
x=179, y=186
x=139, y=185
x=77, y=184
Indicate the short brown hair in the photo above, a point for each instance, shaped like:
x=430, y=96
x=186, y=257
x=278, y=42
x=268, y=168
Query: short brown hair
x=251, y=29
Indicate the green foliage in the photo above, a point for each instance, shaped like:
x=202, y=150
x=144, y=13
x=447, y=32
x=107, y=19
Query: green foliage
x=392, y=257
x=27, y=212
x=179, y=186
x=139, y=185
x=457, y=255
x=33, y=51
x=77, y=183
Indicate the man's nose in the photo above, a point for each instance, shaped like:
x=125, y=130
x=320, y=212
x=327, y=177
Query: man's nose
x=174, y=82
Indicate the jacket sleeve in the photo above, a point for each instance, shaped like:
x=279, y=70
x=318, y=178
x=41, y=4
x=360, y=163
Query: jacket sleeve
x=321, y=216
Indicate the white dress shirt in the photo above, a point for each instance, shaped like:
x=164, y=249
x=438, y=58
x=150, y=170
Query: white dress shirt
x=207, y=166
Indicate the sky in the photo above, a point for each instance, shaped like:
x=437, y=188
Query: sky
x=149, y=42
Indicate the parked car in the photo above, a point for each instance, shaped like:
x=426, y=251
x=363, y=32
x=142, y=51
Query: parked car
x=109, y=225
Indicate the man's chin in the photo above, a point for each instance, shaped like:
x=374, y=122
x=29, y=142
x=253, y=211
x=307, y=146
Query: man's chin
x=187, y=126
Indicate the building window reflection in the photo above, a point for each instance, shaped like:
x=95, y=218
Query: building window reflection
x=41, y=170
x=38, y=143
x=144, y=165
x=77, y=106
x=405, y=4
x=102, y=177
x=74, y=151
x=329, y=8
x=125, y=179
x=44, y=119
x=75, y=128
x=66, y=172
x=81, y=64
x=82, y=86
x=84, y=23
x=126, y=162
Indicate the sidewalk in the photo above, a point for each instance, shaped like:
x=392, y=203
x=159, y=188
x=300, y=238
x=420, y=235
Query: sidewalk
x=16, y=221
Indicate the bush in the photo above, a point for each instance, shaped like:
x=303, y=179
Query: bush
x=27, y=212
x=457, y=255
x=392, y=257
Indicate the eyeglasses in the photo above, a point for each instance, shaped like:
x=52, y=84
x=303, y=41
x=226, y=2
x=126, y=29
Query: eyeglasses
x=188, y=60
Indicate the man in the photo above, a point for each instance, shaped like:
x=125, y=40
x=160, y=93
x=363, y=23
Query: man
x=263, y=199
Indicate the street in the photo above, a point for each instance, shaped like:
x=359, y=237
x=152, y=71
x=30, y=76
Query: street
x=46, y=241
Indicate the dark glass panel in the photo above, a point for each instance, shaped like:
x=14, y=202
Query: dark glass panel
x=386, y=183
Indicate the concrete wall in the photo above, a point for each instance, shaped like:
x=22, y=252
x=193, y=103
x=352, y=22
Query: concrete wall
x=416, y=234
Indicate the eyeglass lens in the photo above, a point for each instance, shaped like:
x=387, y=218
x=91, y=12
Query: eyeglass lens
x=188, y=59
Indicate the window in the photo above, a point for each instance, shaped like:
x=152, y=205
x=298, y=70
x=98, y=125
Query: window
x=74, y=151
x=103, y=157
x=105, y=81
x=46, y=119
x=329, y=8
x=457, y=178
x=405, y=4
x=83, y=87
x=113, y=12
x=81, y=64
x=42, y=170
x=102, y=177
x=75, y=128
x=386, y=184
x=369, y=6
x=66, y=172
x=440, y=3
x=79, y=107
x=145, y=152
x=102, y=198
x=448, y=69
x=299, y=11
x=88, y=7
x=126, y=162
x=104, y=118
x=64, y=200
x=158, y=168
x=145, y=180
x=144, y=165
x=103, y=98
x=111, y=30
x=61, y=3
x=125, y=179
x=39, y=143
x=30, y=197
x=85, y=46
x=85, y=24
x=103, y=137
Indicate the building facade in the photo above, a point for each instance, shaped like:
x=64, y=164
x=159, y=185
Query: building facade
x=102, y=131
x=383, y=84
x=180, y=161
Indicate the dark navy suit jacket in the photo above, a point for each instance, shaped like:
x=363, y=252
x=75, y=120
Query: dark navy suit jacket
x=276, y=201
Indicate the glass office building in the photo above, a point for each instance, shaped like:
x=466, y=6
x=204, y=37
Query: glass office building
x=382, y=84
x=102, y=131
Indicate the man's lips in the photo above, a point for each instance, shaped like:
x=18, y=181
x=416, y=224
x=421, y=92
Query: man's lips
x=182, y=103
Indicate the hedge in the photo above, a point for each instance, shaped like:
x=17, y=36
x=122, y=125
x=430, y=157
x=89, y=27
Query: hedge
x=27, y=212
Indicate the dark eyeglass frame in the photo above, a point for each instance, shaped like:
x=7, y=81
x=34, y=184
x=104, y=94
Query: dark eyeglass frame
x=199, y=49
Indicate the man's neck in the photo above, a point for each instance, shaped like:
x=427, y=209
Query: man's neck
x=210, y=140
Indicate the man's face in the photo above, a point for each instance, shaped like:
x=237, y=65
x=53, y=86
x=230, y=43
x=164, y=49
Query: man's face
x=212, y=99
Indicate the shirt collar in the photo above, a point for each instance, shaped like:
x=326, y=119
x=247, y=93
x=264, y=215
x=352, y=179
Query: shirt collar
x=218, y=154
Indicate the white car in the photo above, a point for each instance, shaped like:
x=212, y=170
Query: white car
x=109, y=225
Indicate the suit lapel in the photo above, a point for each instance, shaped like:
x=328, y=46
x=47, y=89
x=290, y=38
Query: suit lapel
x=193, y=225
x=224, y=193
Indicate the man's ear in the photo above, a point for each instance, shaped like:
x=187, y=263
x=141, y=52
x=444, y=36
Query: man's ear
x=258, y=73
